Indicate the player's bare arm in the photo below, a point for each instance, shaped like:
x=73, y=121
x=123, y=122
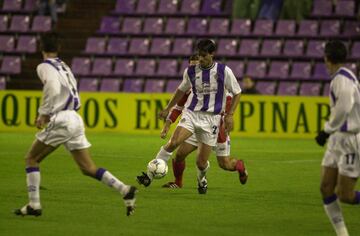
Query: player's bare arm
x=175, y=99
x=229, y=116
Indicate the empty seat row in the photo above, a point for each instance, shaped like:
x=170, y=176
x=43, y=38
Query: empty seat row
x=343, y=8
x=224, y=26
x=19, y=5
x=25, y=23
x=23, y=44
x=10, y=65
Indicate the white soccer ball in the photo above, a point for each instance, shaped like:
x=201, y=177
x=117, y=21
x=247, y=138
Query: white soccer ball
x=157, y=168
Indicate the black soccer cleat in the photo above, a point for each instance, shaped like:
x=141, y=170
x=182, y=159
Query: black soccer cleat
x=202, y=186
x=143, y=179
x=28, y=211
x=129, y=200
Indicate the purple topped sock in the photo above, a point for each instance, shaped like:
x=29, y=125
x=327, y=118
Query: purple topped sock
x=330, y=199
x=99, y=173
x=357, y=197
x=31, y=169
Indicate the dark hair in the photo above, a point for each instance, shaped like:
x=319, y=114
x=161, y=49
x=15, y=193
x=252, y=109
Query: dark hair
x=194, y=57
x=335, y=51
x=49, y=42
x=206, y=45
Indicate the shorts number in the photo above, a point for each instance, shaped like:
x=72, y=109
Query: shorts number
x=350, y=158
x=214, y=128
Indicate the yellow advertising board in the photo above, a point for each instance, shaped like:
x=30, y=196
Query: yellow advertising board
x=256, y=116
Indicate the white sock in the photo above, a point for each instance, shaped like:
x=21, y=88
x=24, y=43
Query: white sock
x=163, y=154
x=107, y=178
x=334, y=213
x=202, y=173
x=33, y=185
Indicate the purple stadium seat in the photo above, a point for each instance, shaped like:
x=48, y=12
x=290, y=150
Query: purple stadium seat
x=12, y=5
x=322, y=8
x=308, y=28
x=227, y=47
x=285, y=28
x=249, y=47
x=109, y=24
x=133, y=85
x=310, y=89
x=145, y=67
x=278, y=70
x=326, y=89
x=240, y=27
x=263, y=27
x=256, y=69
x=131, y=25
x=30, y=5
x=2, y=83
x=301, y=70
x=102, y=66
x=167, y=67
x=294, y=48
x=153, y=25
x=197, y=26
x=172, y=85
x=330, y=28
x=110, y=85
x=237, y=67
x=183, y=46
x=271, y=47
x=211, y=7
x=352, y=67
x=117, y=46
x=4, y=21
x=219, y=26
x=154, y=86
x=7, y=43
x=168, y=6
x=288, y=88
x=315, y=49
x=351, y=28
x=20, y=23
x=175, y=26
x=89, y=85
x=183, y=66
x=95, y=45
x=41, y=24
x=266, y=87
x=11, y=65
x=80, y=66
x=190, y=7
x=26, y=44
x=125, y=6
x=355, y=50
x=345, y=8
x=160, y=46
x=139, y=46
x=146, y=6
x=320, y=72
x=124, y=67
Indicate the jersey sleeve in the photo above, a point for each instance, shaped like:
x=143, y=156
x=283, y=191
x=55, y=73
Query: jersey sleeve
x=231, y=84
x=185, y=84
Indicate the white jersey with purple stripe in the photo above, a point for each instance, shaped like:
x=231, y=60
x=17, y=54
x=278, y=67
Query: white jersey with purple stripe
x=60, y=87
x=209, y=87
x=344, y=103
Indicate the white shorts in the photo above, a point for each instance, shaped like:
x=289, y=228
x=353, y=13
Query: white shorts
x=65, y=127
x=343, y=153
x=221, y=149
x=204, y=125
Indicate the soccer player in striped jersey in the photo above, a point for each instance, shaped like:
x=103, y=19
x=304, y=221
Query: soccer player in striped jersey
x=209, y=81
x=61, y=124
x=340, y=164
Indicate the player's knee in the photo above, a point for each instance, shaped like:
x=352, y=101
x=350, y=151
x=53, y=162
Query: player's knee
x=222, y=163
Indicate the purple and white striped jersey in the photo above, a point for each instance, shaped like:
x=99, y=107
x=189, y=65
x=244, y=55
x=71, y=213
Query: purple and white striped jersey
x=209, y=87
x=60, y=88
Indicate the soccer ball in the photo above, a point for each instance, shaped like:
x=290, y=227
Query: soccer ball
x=157, y=168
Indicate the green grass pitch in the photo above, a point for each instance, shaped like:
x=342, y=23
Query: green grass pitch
x=281, y=197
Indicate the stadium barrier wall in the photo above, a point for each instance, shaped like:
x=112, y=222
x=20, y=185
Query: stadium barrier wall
x=256, y=116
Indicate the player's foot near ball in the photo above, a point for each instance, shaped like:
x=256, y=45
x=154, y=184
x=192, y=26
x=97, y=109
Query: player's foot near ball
x=27, y=211
x=143, y=179
x=129, y=200
x=243, y=175
x=202, y=186
x=171, y=185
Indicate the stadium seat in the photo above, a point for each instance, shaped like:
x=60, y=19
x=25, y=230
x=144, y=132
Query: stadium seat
x=271, y=48
x=168, y=7
x=102, y=67
x=330, y=28
x=80, y=66
x=153, y=25
x=20, y=23
x=2, y=82
x=310, y=89
x=183, y=46
x=301, y=70
x=175, y=26
x=11, y=65
x=133, y=85
x=139, y=46
x=308, y=28
x=278, y=70
x=154, y=86
x=351, y=28
x=285, y=28
x=256, y=69
x=4, y=21
x=26, y=44
x=12, y=5
x=355, y=51
x=288, y=88
x=132, y=25
x=320, y=72
x=7, y=43
x=237, y=67
x=315, y=49
x=249, y=47
x=110, y=85
x=167, y=67
x=240, y=27
x=266, y=87
x=211, y=7
x=263, y=27
x=145, y=67
x=294, y=48
x=95, y=45
x=125, y=6
x=227, y=47
x=172, y=85
x=326, y=89
x=124, y=67
x=160, y=46
x=184, y=64
x=109, y=25
x=146, y=6
x=30, y=5
x=352, y=67
x=197, y=26
x=117, y=46
x=88, y=85
x=219, y=26
x=322, y=8
x=41, y=24
x=345, y=8
x=190, y=7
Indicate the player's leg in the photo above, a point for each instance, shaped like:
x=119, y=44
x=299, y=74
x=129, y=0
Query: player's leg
x=203, y=166
x=346, y=190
